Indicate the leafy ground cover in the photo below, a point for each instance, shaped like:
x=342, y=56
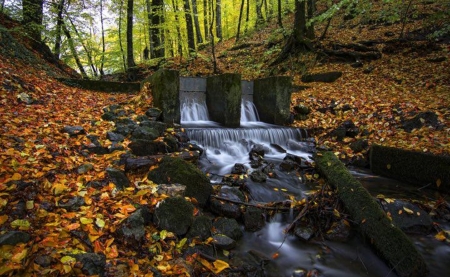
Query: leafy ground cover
x=39, y=163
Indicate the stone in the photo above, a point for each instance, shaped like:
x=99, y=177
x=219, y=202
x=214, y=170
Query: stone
x=302, y=109
x=154, y=113
x=253, y=219
x=238, y=168
x=174, y=214
x=225, y=208
x=221, y=241
x=145, y=147
x=408, y=217
x=118, y=177
x=84, y=168
x=114, y=136
x=72, y=204
x=160, y=127
x=359, y=145
x=14, y=237
x=171, y=190
x=144, y=132
x=422, y=119
x=92, y=264
x=132, y=230
x=257, y=150
x=176, y=170
x=73, y=131
x=258, y=176
x=304, y=233
x=201, y=228
x=327, y=77
x=229, y=227
x=339, y=231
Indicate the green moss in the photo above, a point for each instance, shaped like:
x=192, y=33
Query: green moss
x=390, y=242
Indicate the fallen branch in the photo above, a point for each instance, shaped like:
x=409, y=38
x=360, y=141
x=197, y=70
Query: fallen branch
x=264, y=206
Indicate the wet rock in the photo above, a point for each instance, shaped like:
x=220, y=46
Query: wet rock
x=408, y=217
x=359, y=145
x=44, y=261
x=238, y=169
x=154, y=113
x=270, y=170
x=73, y=131
x=201, y=228
x=176, y=170
x=71, y=204
x=258, y=176
x=160, y=127
x=14, y=237
x=327, y=77
x=422, y=119
x=144, y=147
x=132, y=229
x=171, y=142
x=339, y=231
x=278, y=148
x=174, y=214
x=125, y=126
x=96, y=149
x=302, y=109
x=83, y=237
x=84, y=168
x=226, y=208
x=253, y=219
x=304, y=233
x=257, y=150
x=229, y=227
x=224, y=242
x=171, y=190
x=144, y=132
x=182, y=137
x=118, y=177
x=114, y=137
x=92, y=264
x=288, y=165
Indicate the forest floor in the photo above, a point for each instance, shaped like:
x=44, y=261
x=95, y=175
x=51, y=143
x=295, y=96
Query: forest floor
x=34, y=150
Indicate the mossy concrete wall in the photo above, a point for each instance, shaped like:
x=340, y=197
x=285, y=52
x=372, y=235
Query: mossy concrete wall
x=272, y=98
x=105, y=86
x=390, y=243
x=165, y=85
x=413, y=167
x=223, y=99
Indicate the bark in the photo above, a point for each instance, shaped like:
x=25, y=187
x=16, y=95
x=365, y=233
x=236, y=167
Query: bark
x=88, y=53
x=240, y=19
x=177, y=22
x=74, y=51
x=120, y=37
x=189, y=27
x=149, y=19
x=102, y=61
x=32, y=18
x=59, y=22
x=247, y=18
x=259, y=16
x=310, y=11
x=130, y=55
x=157, y=35
x=280, y=23
x=219, y=19
x=388, y=241
x=205, y=18
x=213, y=50
x=196, y=22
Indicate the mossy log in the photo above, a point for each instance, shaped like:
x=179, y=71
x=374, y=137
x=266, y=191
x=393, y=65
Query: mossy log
x=389, y=242
x=423, y=169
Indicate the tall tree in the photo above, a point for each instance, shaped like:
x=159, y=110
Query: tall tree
x=150, y=30
x=196, y=22
x=205, y=18
x=189, y=27
x=130, y=55
x=219, y=19
x=177, y=22
x=120, y=35
x=259, y=16
x=280, y=23
x=102, y=60
x=157, y=35
x=86, y=50
x=241, y=10
x=74, y=51
x=32, y=11
x=59, y=22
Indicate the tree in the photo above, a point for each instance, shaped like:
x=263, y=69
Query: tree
x=102, y=61
x=205, y=18
x=189, y=27
x=74, y=51
x=130, y=55
x=32, y=11
x=241, y=10
x=196, y=22
x=219, y=19
x=157, y=34
x=59, y=23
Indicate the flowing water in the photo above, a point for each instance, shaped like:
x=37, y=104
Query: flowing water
x=224, y=147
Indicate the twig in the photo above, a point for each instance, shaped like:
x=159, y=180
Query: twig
x=261, y=205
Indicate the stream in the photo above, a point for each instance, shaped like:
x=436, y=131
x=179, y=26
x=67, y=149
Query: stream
x=224, y=147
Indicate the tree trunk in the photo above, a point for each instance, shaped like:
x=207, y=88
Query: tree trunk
x=189, y=27
x=32, y=18
x=130, y=55
x=247, y=18
x=219, y=19
x=310, y=29
x=157, y=35
x=205, y=18
x=102, y=61
x=240, y=18
x=74, y=51
x=59, y=22
x=88, y=53
x=120, y=36
x=149, y=18
x=213, y=50
x=259, y=16
x=196, y=22
x=177, y=22
x=279, y=21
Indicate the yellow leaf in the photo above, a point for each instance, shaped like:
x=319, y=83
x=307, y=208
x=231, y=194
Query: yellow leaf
x=16, y=177
x=181, y=243
x=440, y=236
x=100, y=222
x=19, y=256
x=30, y=205
x=23, y=224
x=438, y=182
x=3, y=219
x=68, y=260
x=219, y=266
x=85, y=220
x=58, y=188
x=408, y=210
x=163, y=234
x=336, y=213
x=93, y=238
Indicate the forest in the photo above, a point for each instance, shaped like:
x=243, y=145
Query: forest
x=355, y=180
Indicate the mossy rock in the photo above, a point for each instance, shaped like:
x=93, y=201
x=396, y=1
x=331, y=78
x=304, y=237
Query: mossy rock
x=174, y=214
x=175, y=170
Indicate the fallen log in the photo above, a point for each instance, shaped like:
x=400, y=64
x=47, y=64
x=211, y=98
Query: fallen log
x=389, y=242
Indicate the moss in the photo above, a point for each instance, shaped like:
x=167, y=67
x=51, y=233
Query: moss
x=390, y=242
x=175, y=214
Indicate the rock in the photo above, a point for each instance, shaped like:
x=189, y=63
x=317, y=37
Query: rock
x=71, y=204
x=327, y=77
x=73, y=131
x=171, y=142
x=84, y=168
x=368, y=69
x=44, y=261
x=339, y=133
x=154, y=113
x=339, y=231
x=171, y=190
x=125, y=126
x=176, y=170
x=308, y=146
x=133, y=228
x=253, y=219
x=109, y=116
x=226, y=208
x=238, y=169
x=288, y=165
x=144, y=147
x=229, y=227
x=221, y=241
x=258, y=176
x=118, y=177
x=92, y=264
x=270, y=170
x=359, y=145
x=408, y=217
x=357, y=64
x=96, y=149
x=139, y=164
x=144, y=132
x=114, y=137
x=258, y=150
x=159, y=126
x=302, y=109
x=14, y=237
x=424, y=118
x=174, y=214
x=201, y=228
x=304, y=233
x=83, y=237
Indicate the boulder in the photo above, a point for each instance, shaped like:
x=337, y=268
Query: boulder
x=132, y=229
x=228, y=227
x=226, y=208
x=224, y=242
x=422, y=119
x=258, y=176
x=118, y=177
x=176, y=170
x=253, y=219
x=145, y=147
x=145, y=132
x=408, y=217
x=92, y=263
x=174, y=214
x=73, y=131
x=201, y=228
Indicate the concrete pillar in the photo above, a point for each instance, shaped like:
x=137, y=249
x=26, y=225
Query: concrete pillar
x=165, y=85
x=223, y=98
x=272, y=98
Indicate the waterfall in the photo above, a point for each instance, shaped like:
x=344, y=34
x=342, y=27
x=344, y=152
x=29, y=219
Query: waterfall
x=249, y=113
x=193, y=108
